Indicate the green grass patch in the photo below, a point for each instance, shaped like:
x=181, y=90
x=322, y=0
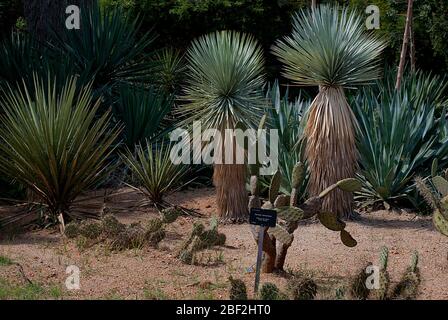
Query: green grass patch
x=5, y=261
x=33, y=291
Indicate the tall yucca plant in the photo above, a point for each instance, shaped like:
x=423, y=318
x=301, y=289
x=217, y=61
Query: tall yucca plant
x=52, y=143
x=224, y=82
x=330, y=48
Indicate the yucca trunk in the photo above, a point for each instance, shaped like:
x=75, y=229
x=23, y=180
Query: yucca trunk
x=231, y=194
x=331, y=150
x=230, y=182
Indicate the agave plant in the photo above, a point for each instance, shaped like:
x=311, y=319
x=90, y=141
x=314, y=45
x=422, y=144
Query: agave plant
x=52, y=143
x=157, y=174
x=142, y=110
x=289, y=118
x=330, y=48
x=224, y=82
x=108, y=49
x=399, y=135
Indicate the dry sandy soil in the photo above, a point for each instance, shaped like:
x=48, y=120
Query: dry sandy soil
x=157, y=273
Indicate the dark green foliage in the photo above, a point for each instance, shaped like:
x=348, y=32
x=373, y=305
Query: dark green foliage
x=269, y=291
x=115, y=234
x=169, y=215
x=111, y=226
x=108, y=50
x=157, y=174
x=237, y=290
x=200, y=239
x=142, y=110
x=302, y=288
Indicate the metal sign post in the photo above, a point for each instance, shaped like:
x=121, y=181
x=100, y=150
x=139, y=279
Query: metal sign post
x=264, y=218
x=259, y=258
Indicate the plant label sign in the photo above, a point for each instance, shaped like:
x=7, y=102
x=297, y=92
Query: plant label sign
x=263, y=217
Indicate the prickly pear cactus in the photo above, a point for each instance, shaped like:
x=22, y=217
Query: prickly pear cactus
x=438, y=200
x=289, y=214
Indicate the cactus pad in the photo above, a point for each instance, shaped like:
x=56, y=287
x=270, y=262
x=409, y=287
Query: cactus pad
x=290, y=214
x=254, y=185
x=349, y=185
x=440, y=222
x=297, y=175
x=281, y=201
x=275, y=186
x=281, y=235
x=441, y=185
x=347, y=239
x=331, y=221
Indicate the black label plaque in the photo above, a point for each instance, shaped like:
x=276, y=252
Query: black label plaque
x=263, y=217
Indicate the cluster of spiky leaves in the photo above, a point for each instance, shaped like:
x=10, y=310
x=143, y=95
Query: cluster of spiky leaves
x=157, y=174
x=142, y=111
x=52, y=143
x=225, y=80
x=109, y=49
x=400, y=133
x=330, y=47
x=302, y=288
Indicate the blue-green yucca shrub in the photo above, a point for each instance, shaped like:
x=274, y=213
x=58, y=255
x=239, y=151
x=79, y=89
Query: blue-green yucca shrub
x=399, y=135
x=53, y=143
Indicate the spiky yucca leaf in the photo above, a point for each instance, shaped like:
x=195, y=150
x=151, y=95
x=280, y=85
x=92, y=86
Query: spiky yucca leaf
x=330, y=47
x=224, y=81
x=52, y=143
x=143, y=112
x=157, y=174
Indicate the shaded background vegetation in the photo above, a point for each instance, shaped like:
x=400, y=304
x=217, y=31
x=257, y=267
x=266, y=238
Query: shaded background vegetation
x=177, y=22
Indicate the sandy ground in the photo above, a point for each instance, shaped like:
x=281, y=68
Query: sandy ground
x=157, y=273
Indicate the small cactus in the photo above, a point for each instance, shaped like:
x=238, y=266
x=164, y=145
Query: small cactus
x=269, y=291
x=407, y=288
x=302, y=288
x=438, y=201
x=384, y=280
x=237, y=289
x=358, y=287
